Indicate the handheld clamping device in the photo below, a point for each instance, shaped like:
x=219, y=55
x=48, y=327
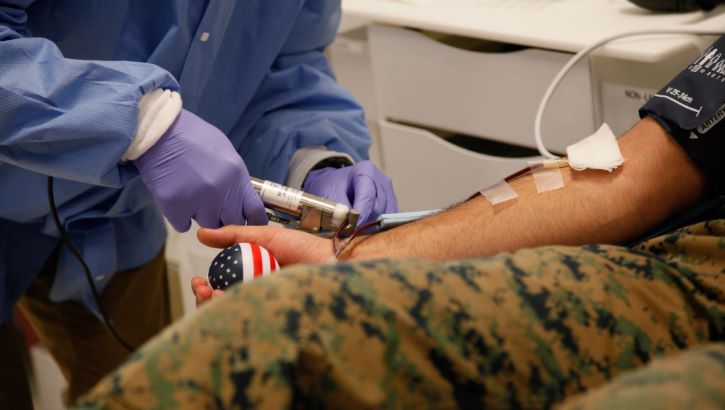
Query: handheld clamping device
x=300, y=210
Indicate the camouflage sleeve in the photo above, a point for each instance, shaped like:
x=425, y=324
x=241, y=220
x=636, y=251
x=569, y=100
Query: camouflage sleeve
x=695, y=380
x=522, y=330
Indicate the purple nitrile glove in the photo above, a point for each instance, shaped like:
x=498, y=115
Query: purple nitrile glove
x=194, y=172
x=362, y=186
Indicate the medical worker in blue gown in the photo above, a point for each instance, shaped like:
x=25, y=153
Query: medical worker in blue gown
x=140, y=108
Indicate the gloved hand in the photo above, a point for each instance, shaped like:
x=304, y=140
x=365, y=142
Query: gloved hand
x=193, y=171
x=362, y=186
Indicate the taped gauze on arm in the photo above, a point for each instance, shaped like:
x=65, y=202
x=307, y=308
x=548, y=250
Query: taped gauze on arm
x=598, y=151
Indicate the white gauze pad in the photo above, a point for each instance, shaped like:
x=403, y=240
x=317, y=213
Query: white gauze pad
x=598, y=151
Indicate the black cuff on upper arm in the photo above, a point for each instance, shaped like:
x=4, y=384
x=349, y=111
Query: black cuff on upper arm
x=691, y=108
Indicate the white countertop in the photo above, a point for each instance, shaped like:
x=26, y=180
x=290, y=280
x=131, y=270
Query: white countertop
x=565, y=25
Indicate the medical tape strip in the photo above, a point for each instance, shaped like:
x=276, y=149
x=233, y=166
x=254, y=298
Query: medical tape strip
x=500, y=192
x=546, y=178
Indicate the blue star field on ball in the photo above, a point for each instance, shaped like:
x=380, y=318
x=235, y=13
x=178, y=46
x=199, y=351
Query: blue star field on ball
x=241, y=262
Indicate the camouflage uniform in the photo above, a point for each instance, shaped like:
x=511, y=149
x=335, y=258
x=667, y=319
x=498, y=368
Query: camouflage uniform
x=694, y=380
x=521, y=330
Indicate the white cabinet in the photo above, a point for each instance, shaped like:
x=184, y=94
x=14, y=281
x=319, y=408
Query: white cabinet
x=480, y=69
x=487, y=90
x=429, y=172
x=414, y=84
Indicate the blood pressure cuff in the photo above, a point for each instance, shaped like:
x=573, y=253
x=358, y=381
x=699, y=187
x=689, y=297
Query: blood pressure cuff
x=691, y=108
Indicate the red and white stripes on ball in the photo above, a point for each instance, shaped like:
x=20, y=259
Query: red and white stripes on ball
x=256, y=261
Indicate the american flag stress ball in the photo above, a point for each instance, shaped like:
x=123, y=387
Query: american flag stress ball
x=241, y=262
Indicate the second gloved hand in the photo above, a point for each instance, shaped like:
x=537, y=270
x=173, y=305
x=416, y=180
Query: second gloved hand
x=362, y=186
x=194, y=172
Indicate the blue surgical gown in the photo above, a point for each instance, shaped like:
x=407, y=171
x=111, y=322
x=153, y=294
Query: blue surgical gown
x=71, y=75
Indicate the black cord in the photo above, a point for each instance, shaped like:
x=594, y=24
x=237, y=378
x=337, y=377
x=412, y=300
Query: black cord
x=86, y=270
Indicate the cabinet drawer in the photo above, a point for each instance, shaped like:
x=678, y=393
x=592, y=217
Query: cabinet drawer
x=429, y=172
x=490, y=94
